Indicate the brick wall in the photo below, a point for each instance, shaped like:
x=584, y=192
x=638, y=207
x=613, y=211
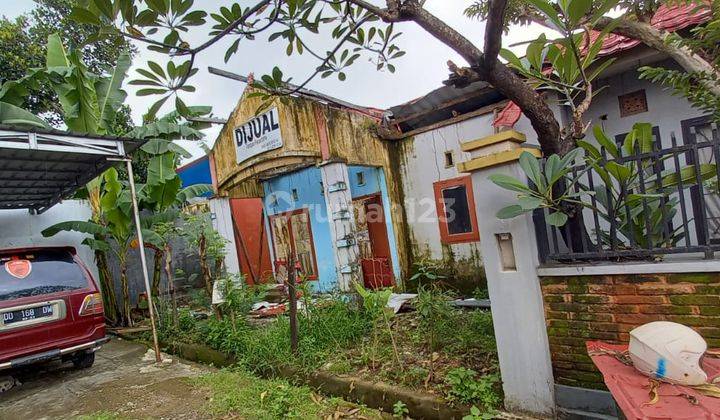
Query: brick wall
x=607, y=307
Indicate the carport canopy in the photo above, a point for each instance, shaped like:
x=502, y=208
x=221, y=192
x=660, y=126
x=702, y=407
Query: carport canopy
x=40, y=167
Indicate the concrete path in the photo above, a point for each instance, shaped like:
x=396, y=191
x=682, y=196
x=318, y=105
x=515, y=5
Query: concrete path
x=120, y=382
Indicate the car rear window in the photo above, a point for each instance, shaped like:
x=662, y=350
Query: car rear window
x=51, y=271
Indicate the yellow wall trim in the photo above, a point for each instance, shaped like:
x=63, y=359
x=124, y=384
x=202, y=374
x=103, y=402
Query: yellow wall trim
x=495, y=159
x=510, y=135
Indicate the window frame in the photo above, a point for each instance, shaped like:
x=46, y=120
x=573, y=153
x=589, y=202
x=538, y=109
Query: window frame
x=288, y=215
x=445, y=236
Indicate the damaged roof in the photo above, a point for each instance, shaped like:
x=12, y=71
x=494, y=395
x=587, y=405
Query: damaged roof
x=441, y=104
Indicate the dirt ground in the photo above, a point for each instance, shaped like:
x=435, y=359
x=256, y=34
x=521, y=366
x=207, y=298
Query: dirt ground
x=120, y=382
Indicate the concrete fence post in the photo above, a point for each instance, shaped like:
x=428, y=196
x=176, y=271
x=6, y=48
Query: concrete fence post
x=509, y=252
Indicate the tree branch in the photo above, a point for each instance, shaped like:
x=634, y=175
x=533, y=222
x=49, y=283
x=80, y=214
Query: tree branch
x=533, y=105
x=494, y=26
x=657, y=40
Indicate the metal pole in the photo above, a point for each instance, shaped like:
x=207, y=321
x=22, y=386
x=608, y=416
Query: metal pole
x=141, y=247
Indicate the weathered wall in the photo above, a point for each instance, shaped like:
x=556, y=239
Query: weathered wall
x=422, y=163
x=607, y=307
x=351, y=139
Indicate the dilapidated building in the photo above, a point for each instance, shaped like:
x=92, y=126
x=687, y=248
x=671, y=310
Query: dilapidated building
x=307, y=175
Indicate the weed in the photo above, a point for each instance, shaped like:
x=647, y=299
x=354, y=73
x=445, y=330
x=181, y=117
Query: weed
x=400, y=410
x=240, y=394
x=476, y=414
x=467, y=388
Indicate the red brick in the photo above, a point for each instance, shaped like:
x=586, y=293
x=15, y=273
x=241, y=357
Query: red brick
x=665, y=289
x=591, y=298
x=555, y=289
x=637, y=319
x=710, y=332
x=668, y=309
x=614, y=309
x=651, y=300
x=617, y=289
x=557, y=315
x=594, y=316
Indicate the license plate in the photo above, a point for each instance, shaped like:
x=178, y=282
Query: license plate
x=27, y=314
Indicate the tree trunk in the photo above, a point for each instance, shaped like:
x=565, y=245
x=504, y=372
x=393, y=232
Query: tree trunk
x=171, y=283
x=292, y=296
x=204, y=267
x=157, y=272
x=127, y=316
x=107, y=289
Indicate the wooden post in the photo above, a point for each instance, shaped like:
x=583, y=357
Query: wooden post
x=292, y=292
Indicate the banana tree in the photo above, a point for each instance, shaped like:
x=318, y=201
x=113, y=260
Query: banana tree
x=112, y=232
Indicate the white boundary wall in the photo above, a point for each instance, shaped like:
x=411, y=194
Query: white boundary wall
x=18, y=229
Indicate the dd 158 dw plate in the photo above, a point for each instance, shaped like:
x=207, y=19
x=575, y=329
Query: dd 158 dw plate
x=31, y=314
x=28, y=314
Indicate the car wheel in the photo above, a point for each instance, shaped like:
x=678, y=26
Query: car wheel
x=84, y=360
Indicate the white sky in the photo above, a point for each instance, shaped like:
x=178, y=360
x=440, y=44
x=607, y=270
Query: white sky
x=422, y=69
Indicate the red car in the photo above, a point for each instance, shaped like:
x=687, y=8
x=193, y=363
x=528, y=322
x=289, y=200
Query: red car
x=50, y=308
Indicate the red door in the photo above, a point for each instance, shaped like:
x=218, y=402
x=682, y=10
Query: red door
x=377, y=268
x=251, y=240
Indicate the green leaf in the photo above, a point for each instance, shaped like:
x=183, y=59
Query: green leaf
x=557, y=219
x=530, y=202
x=85, y=16
x=96, y=245
x=509, y=183
x=510, y=211
x=578, y=9
x=619, y=172
x=193, y=191
x=688, y=175
x=56, y=56
x=605, y=142
x=161, y=168
x=547, y=9
x=110, y=93
x=14, y=115
x=531, y=166
x=90, y=228
x=152, y=238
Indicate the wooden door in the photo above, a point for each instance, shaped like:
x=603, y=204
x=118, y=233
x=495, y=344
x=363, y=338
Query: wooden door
x=375, y=259
x=251, y=241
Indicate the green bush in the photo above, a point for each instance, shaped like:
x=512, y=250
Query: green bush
x=467, y=388
x=322, y=330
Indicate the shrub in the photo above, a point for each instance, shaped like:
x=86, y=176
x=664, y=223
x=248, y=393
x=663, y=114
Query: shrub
x=467, y=388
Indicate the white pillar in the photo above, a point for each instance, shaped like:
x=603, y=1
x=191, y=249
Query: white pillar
x=510, y=258
x=341, y=218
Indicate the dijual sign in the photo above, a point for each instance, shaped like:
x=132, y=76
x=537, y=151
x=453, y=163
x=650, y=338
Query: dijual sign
x=258, y=135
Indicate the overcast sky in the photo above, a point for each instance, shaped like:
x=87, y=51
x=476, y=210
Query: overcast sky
x=422, y=69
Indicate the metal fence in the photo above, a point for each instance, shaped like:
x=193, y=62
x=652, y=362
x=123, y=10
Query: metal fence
x=671, y=206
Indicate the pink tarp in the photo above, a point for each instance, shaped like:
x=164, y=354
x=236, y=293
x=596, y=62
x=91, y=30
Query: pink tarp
x=630, y=388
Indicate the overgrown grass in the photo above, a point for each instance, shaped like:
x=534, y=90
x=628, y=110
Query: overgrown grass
x=346, y=338
x=241, y=394
x=323, y=329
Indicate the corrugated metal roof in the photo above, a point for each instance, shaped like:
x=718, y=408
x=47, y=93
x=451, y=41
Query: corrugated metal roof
x=440, y=104
x=39, y=167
